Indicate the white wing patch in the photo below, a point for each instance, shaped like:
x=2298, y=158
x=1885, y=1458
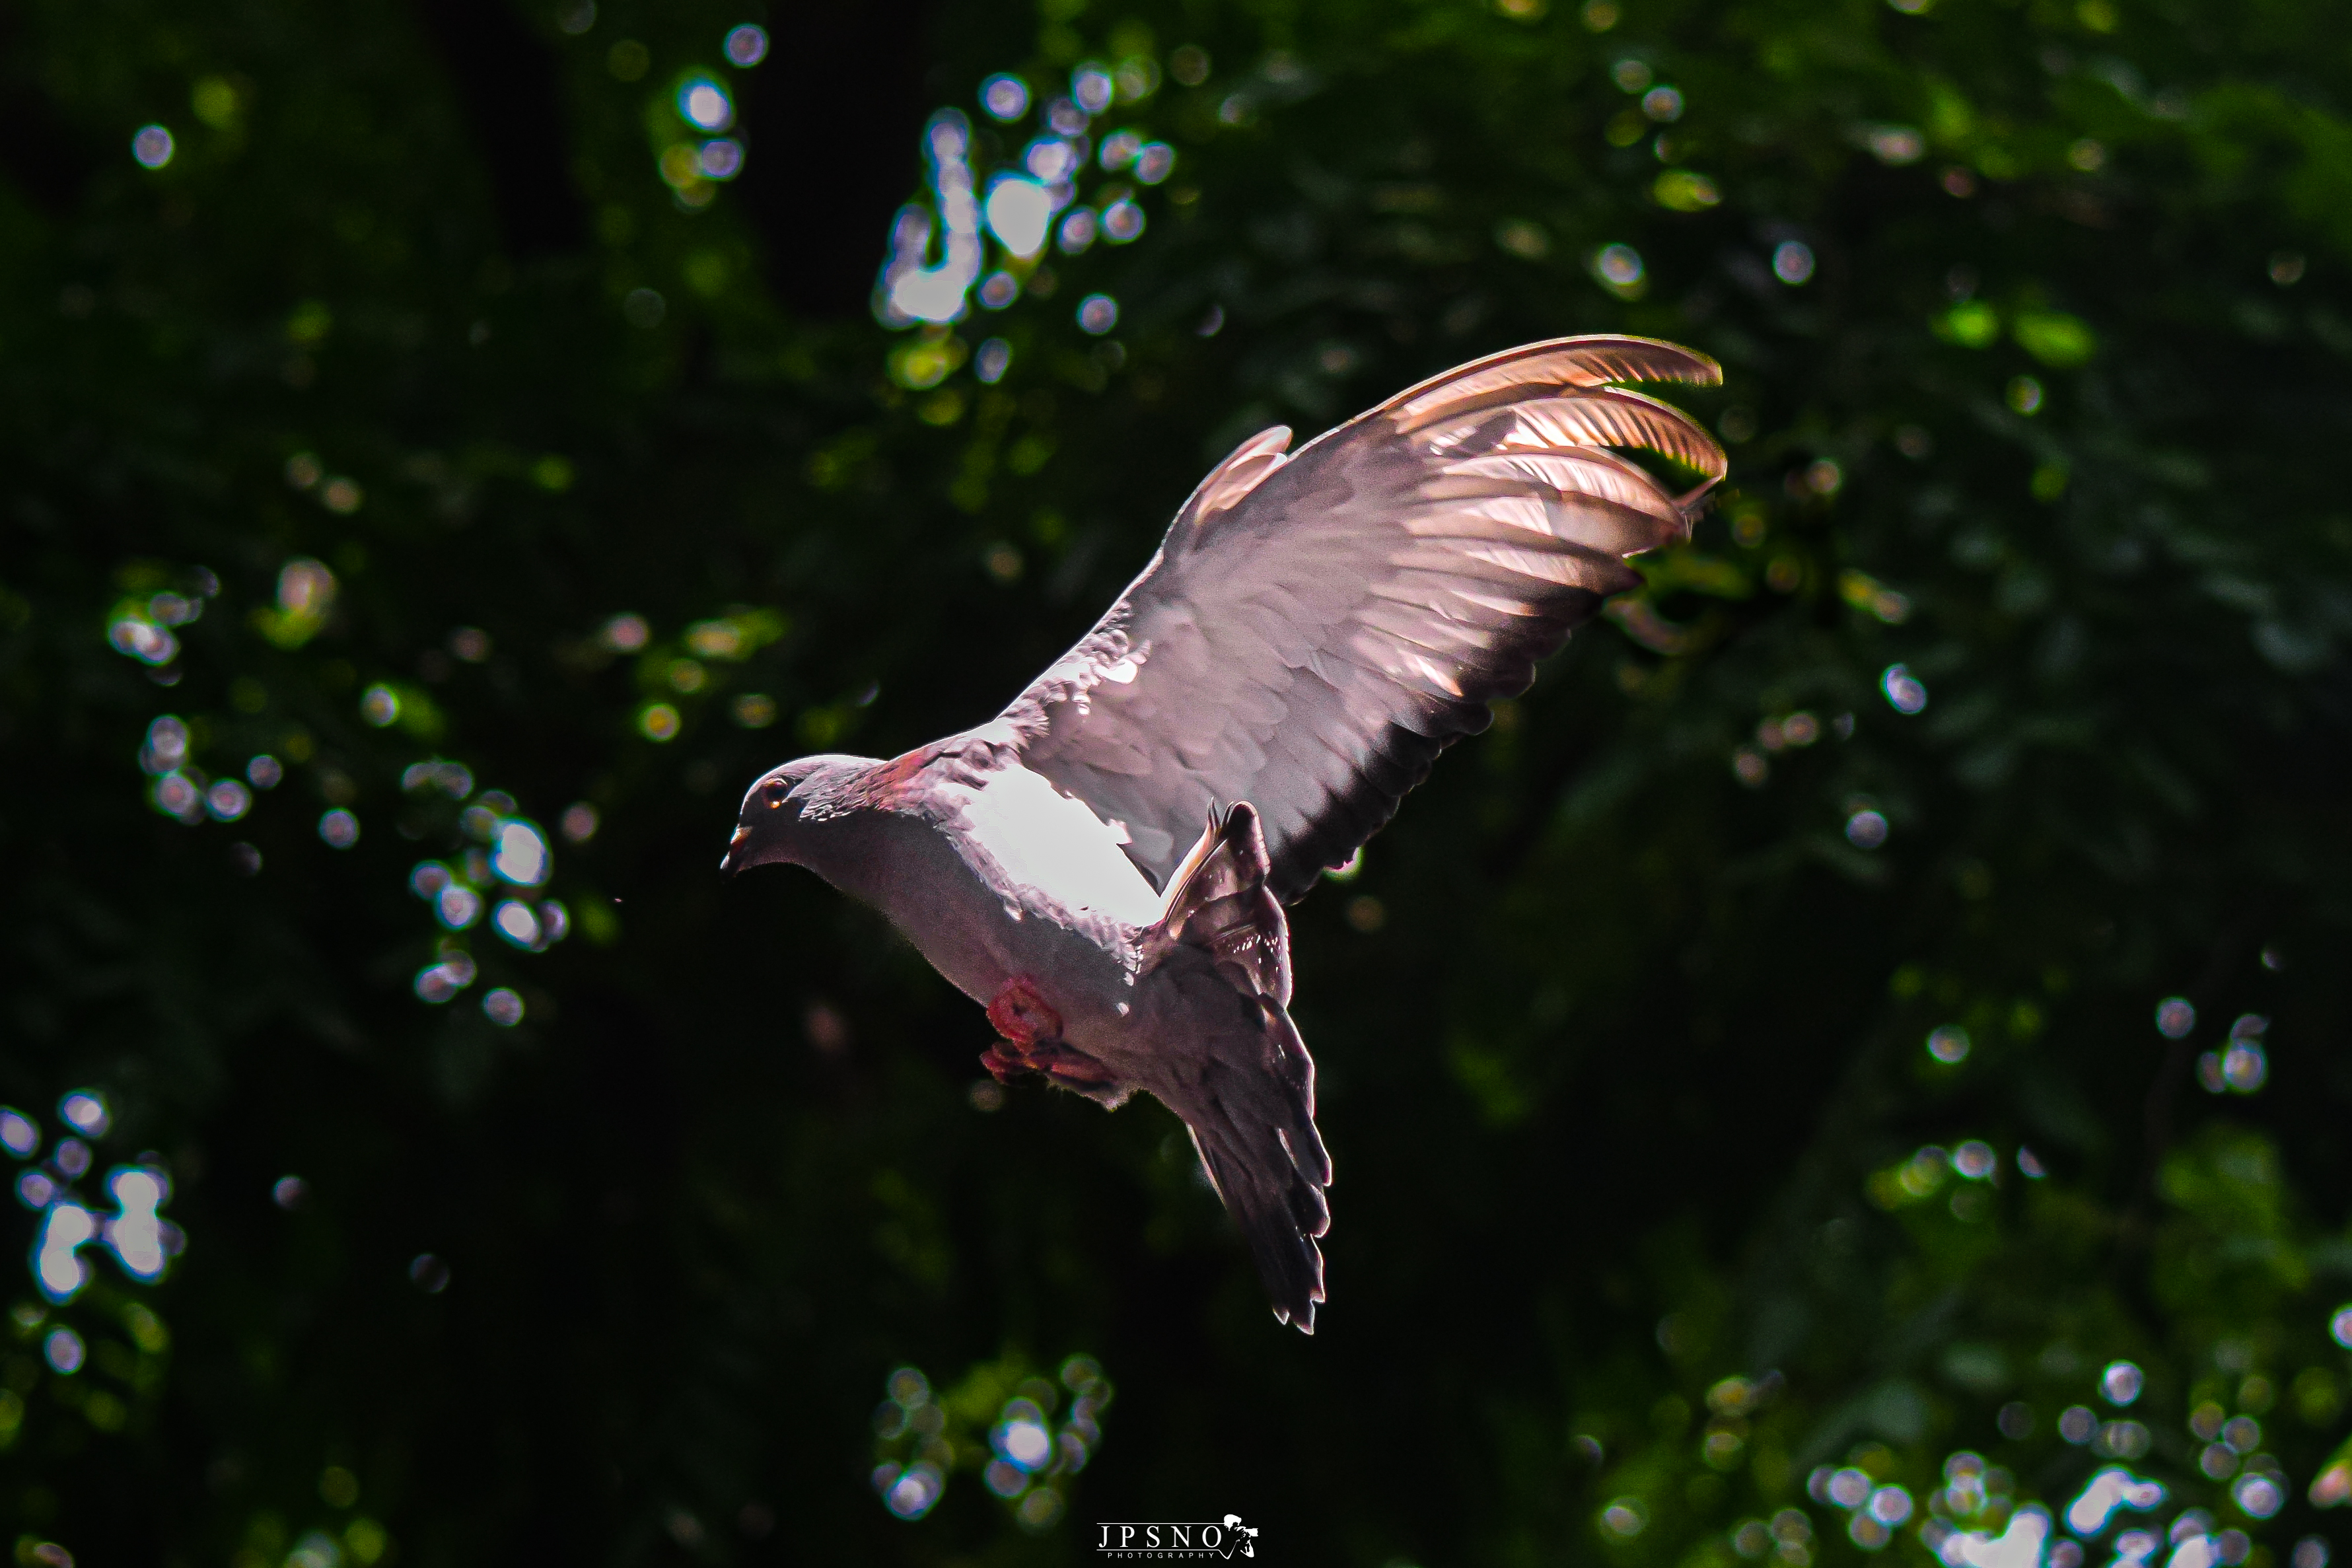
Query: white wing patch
x=1046, y=840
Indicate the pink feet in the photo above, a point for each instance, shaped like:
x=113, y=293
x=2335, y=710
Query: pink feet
x=1021, y=1014
x=1070, y=1068
x=1033, y=1041
x=1002, y=1067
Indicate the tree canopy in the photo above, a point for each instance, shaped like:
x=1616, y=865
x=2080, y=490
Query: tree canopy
x=1849, y=1064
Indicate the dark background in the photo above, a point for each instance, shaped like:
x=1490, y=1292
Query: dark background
x=1621, y=1052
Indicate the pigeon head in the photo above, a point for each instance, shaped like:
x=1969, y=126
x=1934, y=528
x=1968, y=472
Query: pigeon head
x=787, y=804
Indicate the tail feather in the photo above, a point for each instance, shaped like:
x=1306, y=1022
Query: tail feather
x=1255, y=1133
x=1251, y=1102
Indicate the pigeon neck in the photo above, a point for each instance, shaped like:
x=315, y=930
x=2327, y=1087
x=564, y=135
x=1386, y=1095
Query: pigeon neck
x=851, y=850
x=868, y=828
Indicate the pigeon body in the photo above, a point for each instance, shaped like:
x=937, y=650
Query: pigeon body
x=1103, y=866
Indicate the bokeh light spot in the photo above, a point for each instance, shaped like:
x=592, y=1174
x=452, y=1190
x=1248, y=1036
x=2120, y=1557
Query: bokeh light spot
x=457, y=906
x=57, y=1267
x=1122, y=222
x=521, y=856
x=1625, y=1518
x=1005, y=97
x=1098, y=314
x=64, y=1352
x=84, y=1110
x=912, y=1492
x=704, y=104
x=228, y=800
x=746, y=46
x=1906, y=693
x=1618, y=267
x=1092, y=87
x=515, y=920
x=2258, y=1496
x=438, y=982
x=138, y=638
x=998, y=290
x=912, y=290
x=2108, y=1491
x=722, y=159
x=1019, y=213
x=136, y=1234
x=1896, y=145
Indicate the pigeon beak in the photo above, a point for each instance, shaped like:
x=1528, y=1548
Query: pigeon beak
x=729, y=865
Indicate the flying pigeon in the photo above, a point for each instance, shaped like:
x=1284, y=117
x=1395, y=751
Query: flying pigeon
x=1104, y=863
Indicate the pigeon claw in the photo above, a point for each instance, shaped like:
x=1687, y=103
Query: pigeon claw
x=1032, y=1044
x=1072, y=1069
x=1021, y=1014
x=1058, y=1064
x=1002, y=1067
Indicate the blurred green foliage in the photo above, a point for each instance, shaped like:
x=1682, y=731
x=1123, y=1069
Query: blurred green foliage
x=476, y=438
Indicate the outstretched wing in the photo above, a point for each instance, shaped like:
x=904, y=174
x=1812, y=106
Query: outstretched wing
x=1316, y=627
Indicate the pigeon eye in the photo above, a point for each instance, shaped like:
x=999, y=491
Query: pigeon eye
x=775, y=791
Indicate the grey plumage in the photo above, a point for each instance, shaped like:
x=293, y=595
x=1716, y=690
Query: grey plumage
x=1314, y=630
